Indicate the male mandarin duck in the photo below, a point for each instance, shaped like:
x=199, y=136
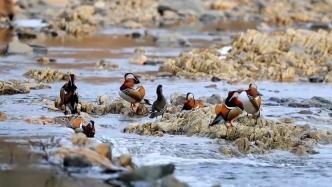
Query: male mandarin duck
x=69, y=96
x=228, y=111
x=252, y=100
x=87, y=127
x=192, y=103
x=159, y=106
x=131, y=94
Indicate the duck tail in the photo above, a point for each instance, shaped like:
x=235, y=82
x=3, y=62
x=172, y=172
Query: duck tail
x=147, y=102
x=216, y=120
x=153, y=115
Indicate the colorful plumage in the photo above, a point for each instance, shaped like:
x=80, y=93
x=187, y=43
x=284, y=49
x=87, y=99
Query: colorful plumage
x=229, y=110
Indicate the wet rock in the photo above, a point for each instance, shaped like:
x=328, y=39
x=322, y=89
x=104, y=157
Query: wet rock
x=243, y=145
x=14, y=87
x=80, y=139
x=211, y=86
x=104, y=100
x=46, y=75
x=125, y=160
x=104, y=65
x=177, y=99
x=79, y=21
x=305, y=112
x=17, y=47
x=317, y=102
x=139, y=59
x=40, y=121
x=147, y=173
x=268, y=134
x=214, y=99
x=223, y=5
x=104, y=150
x=215, y=79
x=316, y=79
x=280, y=56
x=3, y=116
x=76, y=161
x=45, y=60
x=24, y=34
x=88, y=154
x=171, y=181
x=184, y=7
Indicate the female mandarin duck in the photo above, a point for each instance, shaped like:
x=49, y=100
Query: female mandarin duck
x=252, y=100
x=158, y=106
x=69, y=96
x=192, y=103
x=130, y=93
x=229, y=110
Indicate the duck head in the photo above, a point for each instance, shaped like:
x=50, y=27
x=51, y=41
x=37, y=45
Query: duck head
x=160, y=90
x=253, y=90
x=89, y=129
x=190, y=96
x=71, y=80
x=131, y=76
x=234, y=98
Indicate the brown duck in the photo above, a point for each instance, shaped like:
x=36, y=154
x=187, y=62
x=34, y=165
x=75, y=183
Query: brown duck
x=252, y=100
x=192, y=103
x=159, y=106
x=229, y=110
x=68, y=96
x=131, y=94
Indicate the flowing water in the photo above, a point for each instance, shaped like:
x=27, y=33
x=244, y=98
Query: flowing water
x=198, y=160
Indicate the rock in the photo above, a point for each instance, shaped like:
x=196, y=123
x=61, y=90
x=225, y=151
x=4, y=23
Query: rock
x=147, y=173
x=215, y=79
x=171, y=181
x=104, y=100
x=47, y=75
x=214, y=99
x=125, y=160
x=184, y=7
x=17, y=47
x=223, y=5
x=104, y=65
x=76, y=161
x=211, y=86
x=177, y=99
x=243, y=145
x=139, y=59
x=80, y=139
x=267, y=134
x=316, y=79
x=91, y=155
x=279, y=56
x=79, y=21
x=14, y=87
x=132, y=25
x=305, y=112
x=104, y=150
x=44, y=60
x=3, y=116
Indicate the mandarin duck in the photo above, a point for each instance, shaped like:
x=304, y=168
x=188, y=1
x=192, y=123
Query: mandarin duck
x=192, y=103
x=229, y=110
x=69, y=96
x=158, y=106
